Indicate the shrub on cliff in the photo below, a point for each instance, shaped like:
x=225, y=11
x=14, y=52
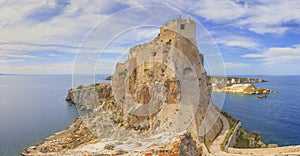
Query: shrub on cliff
x=109, y=77
x=80, y=87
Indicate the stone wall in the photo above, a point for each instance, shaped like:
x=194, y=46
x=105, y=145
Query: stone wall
x=232, y=139
x=262, y=151
x=186, y=28
x=167, y=70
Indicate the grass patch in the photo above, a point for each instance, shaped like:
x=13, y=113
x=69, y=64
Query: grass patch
x=249, y=140
x=80, y=87
x=94, y=85
x=244, y=138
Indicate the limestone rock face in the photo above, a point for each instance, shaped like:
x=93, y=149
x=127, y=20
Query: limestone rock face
x=164, y=84
x=234, y=80
x=84, y=98
x=158, y=101
x=245, y=88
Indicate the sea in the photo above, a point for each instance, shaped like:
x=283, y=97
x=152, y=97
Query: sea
x=276, y=118
x=32, y=107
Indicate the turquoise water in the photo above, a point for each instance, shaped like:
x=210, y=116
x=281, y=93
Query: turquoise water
x=276, y=118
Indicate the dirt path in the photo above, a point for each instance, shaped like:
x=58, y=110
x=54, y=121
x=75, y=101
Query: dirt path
x=215, y=148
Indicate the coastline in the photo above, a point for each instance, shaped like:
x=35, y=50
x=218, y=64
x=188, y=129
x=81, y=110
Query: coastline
x=73, y=136
x=46, y=144
x=239, y=85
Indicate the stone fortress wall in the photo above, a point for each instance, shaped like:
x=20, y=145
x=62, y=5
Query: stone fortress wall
x=257, y=151
x=264, y=151
x=186, y=28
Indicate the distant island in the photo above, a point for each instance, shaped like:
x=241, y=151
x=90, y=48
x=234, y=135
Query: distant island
x=238, y=85
x=234, y=79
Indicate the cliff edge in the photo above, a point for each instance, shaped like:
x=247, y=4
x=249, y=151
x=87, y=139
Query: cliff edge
x=158, y=102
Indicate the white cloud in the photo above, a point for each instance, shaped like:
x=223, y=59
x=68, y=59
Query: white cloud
x=235, y=65
x=14, y=11
x=33, y=47
x=9, y=61
x=268, y=29
x=219, y=11
x=277, y=55
x=10, y=55
x=54, y=68
x=258, y=16
x=238, y=41
x=82, y=67
x=63, y=32
x=269, y=16
x=53, y=55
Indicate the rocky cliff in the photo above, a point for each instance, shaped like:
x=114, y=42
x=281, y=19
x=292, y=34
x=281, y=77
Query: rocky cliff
x=165, y=80
x=158, y=102
x=238, y=85
x=245, y=88
x=234, y=80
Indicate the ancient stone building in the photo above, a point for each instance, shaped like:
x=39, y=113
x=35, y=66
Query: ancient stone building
x=163, y=85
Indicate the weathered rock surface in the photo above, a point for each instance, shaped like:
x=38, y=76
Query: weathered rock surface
x=75, y=135
x=163, y=80
x=238, y=85
x=157, y=102
x=245, y=88
x=234, y=80
x=166, y=144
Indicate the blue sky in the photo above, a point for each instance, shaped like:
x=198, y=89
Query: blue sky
x=43, y=37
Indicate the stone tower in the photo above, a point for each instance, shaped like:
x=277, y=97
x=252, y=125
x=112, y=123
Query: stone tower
x=163, y=85
x=186, y=28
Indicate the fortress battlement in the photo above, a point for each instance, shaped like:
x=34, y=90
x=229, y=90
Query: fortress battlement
x=184, y=27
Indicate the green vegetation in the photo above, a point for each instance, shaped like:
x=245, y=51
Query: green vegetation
x=228, y=77
x=80, y=87
x=94, y=85
x=242, y=79
x=232, y=121
x=109, y=77
x=249, y=140
x=244, y=139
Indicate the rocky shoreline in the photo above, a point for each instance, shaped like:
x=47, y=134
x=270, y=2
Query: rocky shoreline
x=78, y=139
x=75, y=135
x=234, y=80
x=156, y=105
x=241, y=89
x=235, y=85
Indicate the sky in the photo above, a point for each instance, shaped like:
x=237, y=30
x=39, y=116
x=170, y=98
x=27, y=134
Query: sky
x=250, y=37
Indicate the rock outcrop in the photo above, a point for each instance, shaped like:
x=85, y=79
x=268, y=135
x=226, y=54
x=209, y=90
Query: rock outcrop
x=234, y=80
x=245, y=88
x=158, y=102
x=75, y=135
x=165, y=80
